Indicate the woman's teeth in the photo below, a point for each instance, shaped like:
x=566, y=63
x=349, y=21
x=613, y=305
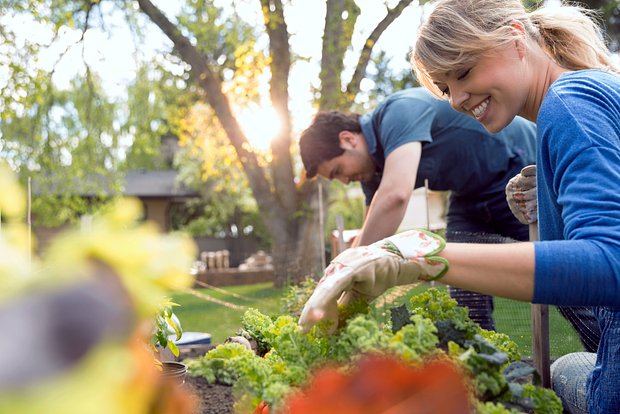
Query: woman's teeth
x=479, y=110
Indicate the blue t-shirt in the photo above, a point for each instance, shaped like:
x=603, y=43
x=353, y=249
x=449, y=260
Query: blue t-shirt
x=458, y=154
x=578, y=174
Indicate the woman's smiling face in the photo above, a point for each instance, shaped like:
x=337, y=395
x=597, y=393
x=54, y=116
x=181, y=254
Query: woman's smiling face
x=493, y=91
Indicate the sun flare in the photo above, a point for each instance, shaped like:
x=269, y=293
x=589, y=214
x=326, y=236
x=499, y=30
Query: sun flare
x=260, y=125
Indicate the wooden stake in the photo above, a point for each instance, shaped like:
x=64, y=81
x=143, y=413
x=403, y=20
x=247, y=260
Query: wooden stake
x=322, y=227
x=540, y=332
x=428, y=214
x=340, y=229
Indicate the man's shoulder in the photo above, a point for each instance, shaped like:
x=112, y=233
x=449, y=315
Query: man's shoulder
x=520, y=126
x=418, y=94
x=412, y=104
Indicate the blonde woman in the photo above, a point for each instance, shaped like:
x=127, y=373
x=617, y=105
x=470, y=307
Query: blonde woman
x=494, y=60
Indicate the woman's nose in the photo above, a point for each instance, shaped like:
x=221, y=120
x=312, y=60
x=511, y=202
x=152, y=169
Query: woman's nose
x=457, y=98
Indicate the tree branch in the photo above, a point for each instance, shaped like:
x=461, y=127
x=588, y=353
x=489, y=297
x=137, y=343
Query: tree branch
x=353, y=87
x=273, y=15
x=280, y=65
x=212, y=86
x=336, y=38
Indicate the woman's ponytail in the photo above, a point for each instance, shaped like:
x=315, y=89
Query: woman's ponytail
x=572, y=38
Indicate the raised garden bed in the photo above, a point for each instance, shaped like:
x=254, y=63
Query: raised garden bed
x=435, y=329
x=234, y=277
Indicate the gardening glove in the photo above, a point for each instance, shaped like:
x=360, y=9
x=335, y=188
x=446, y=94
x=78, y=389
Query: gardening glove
x=368, y=271
x=521, y=195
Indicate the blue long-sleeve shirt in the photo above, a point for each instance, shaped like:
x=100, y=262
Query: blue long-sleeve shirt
x=578, y=178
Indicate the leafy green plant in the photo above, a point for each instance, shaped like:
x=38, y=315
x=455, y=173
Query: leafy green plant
x=297, y=295
x=164, y=320
x=432, y=326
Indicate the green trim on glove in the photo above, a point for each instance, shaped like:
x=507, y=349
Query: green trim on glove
x=436, y=236
x=391, y=247
x=447, y=267
x=437, y=258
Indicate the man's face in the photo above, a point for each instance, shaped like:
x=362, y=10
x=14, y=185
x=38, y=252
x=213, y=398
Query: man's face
x=354, y=164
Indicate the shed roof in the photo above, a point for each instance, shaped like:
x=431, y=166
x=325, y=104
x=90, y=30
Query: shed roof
x=155, y=184
x=137, y=183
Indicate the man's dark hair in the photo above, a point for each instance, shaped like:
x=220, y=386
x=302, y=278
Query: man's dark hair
x=319, y=142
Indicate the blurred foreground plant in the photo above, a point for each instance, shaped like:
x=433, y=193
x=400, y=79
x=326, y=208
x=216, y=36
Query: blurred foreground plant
x=83, y=313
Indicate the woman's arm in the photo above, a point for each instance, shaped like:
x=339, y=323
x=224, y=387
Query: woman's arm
x=505, y=270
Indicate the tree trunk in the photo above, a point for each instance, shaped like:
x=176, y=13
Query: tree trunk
x=297, y=244
x=285, y=260
x=291, y=214
x=311, y=245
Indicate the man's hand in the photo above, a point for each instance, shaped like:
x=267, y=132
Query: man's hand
x=368, y=271
x=521, y=195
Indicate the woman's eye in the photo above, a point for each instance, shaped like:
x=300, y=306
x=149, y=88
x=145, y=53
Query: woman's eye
x=463, y=74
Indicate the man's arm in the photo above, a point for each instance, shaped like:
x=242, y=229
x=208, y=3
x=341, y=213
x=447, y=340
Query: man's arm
x=388, y=206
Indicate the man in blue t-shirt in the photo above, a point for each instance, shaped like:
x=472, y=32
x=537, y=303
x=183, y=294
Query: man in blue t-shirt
x=411, y=137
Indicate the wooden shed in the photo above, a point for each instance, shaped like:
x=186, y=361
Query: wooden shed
x=158, y=191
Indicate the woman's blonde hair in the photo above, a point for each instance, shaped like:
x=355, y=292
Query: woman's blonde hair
x=458, y=32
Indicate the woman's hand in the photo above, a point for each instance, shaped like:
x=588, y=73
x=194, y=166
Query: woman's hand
x=368, y=271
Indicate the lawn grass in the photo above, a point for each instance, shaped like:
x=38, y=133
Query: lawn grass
x=512, y=318
x=199, y=315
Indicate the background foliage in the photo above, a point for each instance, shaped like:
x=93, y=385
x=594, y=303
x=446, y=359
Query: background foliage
x=212, y=58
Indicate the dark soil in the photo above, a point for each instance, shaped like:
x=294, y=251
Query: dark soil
x=212, y=398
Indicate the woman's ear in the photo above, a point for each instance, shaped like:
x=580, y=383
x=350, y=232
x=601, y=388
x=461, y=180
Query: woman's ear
x=520, y=40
